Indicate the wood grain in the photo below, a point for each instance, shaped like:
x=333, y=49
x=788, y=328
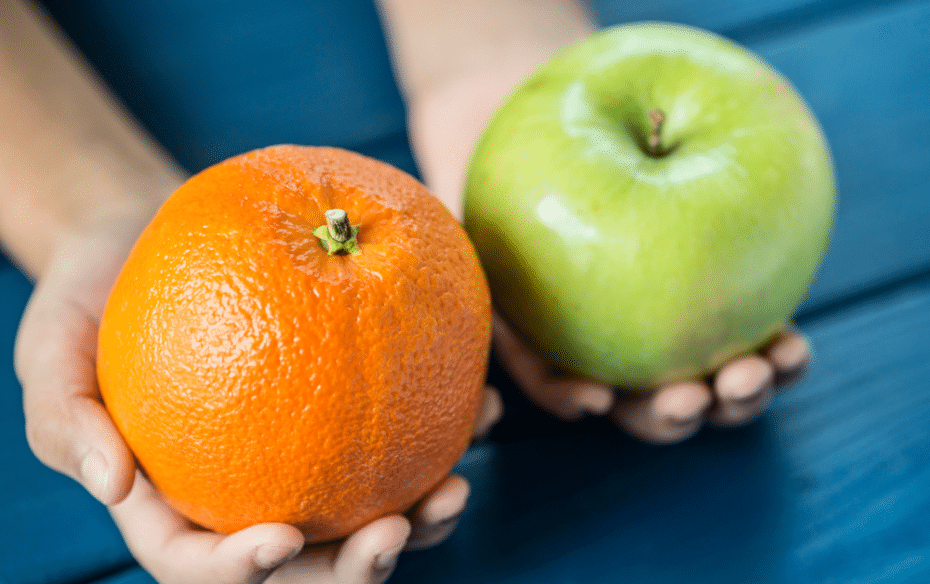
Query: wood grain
x=833, y=485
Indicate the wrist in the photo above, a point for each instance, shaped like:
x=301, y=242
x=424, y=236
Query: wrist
x=433, y=42
x=69, y=153
x=456, y=63
x=445, y=122
x=35, y=225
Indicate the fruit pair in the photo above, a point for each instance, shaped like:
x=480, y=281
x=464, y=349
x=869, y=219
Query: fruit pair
x=301, y=334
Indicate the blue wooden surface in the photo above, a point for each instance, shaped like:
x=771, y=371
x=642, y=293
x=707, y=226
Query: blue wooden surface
x=50, y=531
x=831, y=486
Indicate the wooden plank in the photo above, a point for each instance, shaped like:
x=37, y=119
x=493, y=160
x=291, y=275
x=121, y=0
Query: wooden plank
x=867, y=81
x=744, y=20
x=832, y=486
x=50, y=528
x=134, y=575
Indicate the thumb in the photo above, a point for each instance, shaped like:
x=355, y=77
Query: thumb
x=67, y=426
x=77, y=438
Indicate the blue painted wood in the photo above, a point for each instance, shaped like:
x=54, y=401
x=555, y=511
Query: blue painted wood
x=744, y=20
x=133, y=575
x=832, y=486
x=867, y=81
x=51, y=530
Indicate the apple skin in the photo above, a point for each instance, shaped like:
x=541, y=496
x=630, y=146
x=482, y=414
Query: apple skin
x=641, y=270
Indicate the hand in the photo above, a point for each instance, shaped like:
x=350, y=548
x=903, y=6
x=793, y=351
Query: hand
x=69, y=430
x=738, y=393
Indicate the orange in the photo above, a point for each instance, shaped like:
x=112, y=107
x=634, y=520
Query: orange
x=257, y=377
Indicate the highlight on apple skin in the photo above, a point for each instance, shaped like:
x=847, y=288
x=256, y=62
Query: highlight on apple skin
x=651, y=203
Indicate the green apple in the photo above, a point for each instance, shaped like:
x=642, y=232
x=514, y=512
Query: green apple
x=651, y=203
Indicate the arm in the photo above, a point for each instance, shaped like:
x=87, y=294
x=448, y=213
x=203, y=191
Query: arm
x=79, y=180
x=457, y=61
x=69, y=154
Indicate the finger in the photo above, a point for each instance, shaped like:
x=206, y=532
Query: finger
x=367, y=557
x=77, y=438
x=492, y=408
x=370, y=554
x=790, y=355
x=743, y=390
x=566, y=398
x=570, y=399
x=669, y=415
x=435, y=517
x=67, y=426
x=245, y=557
x=175, y=551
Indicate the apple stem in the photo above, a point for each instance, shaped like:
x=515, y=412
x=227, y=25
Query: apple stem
x=657, y=118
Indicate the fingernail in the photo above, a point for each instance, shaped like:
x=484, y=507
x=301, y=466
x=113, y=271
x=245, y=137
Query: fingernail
x=683, y=421
x=680, y=404
x=387, y=560
x=269, y=556
x=597, y=400
x=95, y=473
x=444, y=518
x=790, y=353
x=745, y=382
